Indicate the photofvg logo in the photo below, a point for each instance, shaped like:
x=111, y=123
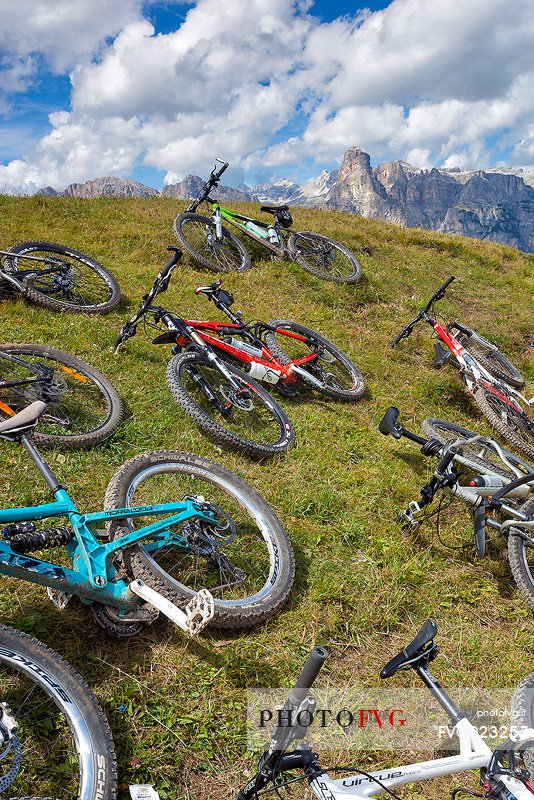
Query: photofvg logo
x=398, y=719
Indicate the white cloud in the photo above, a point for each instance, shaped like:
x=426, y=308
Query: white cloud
x=425, y=81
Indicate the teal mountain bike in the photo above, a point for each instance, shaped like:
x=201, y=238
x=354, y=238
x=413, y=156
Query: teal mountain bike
x=177, y=530
x=209, y=243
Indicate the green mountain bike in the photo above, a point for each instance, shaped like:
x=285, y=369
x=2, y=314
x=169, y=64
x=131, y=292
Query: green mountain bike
x=209, y=243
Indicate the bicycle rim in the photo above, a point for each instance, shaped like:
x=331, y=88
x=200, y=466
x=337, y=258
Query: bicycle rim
x=77, y=282
x=76, y=402
x=480, y=456
x=56, y=759
x=221, y=253
x=521, y=425
x=329, y=367
x=324, y=257
x=236, y=572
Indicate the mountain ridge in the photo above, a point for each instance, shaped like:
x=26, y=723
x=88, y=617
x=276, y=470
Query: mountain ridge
x=496, y=203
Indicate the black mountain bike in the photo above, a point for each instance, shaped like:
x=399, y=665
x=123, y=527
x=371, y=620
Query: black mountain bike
x=82, y=406
x=216, y=248
x=58, y=278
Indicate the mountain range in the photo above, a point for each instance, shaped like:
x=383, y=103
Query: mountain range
x=496, y=204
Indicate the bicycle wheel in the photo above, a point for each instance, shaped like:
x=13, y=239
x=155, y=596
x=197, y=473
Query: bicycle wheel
x=249, y=573
x=83, y=407
x=480, y=456
x=513, y=424
x=324, y=257
x=522, y=714
x=491, y=359
x=252, y=422
x=332, y=372
x=67, y=749
x=79, y=284
x=197, y=236
x=521, y=557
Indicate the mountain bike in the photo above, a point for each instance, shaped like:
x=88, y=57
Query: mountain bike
x=209, y=243
x=497, y=485
x=83, y=406
x=224, y=401
x=179, y=531
x=55, y=741
x=58, y=278
x=503, y=405
x=504, y=773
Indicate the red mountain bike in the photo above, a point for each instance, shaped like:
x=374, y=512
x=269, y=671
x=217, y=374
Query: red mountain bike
x=488, y=377
x=226, y=402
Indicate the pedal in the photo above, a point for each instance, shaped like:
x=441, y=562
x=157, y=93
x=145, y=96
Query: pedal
x=60, y=599
x=408, y=517
x=198, y=612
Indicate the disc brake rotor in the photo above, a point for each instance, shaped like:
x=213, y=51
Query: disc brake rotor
x=236, y=399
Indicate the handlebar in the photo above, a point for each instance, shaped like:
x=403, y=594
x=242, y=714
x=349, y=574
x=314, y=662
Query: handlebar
x=160, y=284
x=213, y=180
x=215, y=175
x=438, y=295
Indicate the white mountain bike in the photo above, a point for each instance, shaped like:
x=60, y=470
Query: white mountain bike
x=504, y=772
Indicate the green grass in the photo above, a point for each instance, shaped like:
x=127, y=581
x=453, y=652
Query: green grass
x=363, y=586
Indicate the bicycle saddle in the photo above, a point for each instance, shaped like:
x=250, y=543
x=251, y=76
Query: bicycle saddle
x=422, y=648
x=24, y=419
x=273, y=209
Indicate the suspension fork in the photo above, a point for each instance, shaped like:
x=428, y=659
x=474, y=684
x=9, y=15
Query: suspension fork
x=207, y=352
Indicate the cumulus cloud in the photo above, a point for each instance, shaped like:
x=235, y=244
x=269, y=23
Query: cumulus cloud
x=269, y=87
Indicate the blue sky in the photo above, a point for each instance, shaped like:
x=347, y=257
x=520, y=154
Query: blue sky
x=280, y=88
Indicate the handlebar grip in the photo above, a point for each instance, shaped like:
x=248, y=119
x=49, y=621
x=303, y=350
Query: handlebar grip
x=311, y=668
x=173, y=260
x=448, y=282
x=222, y=169
x=441, y=291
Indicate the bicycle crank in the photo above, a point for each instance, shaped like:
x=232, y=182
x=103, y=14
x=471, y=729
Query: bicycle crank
x=196, y=615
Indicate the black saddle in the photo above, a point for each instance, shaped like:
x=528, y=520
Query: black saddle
x=421, y=650
x=273, y=209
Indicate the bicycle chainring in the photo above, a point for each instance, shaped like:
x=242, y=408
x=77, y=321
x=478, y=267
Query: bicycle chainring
x=122, y=627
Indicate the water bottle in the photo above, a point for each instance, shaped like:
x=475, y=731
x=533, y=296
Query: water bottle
x=259, y=231
x=489, y=481
x=244, y=346
x=273, y=235
x=261, y=373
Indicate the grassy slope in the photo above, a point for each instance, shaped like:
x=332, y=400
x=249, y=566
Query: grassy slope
x=363, y=586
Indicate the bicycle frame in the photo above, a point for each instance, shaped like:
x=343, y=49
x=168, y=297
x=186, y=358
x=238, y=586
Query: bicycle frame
x=211, y=334
x=240, y=221
x=474, y=754
x=93, y=578
x=17, y=279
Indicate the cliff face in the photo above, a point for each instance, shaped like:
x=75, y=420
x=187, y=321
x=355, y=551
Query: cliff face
x=493, y=205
